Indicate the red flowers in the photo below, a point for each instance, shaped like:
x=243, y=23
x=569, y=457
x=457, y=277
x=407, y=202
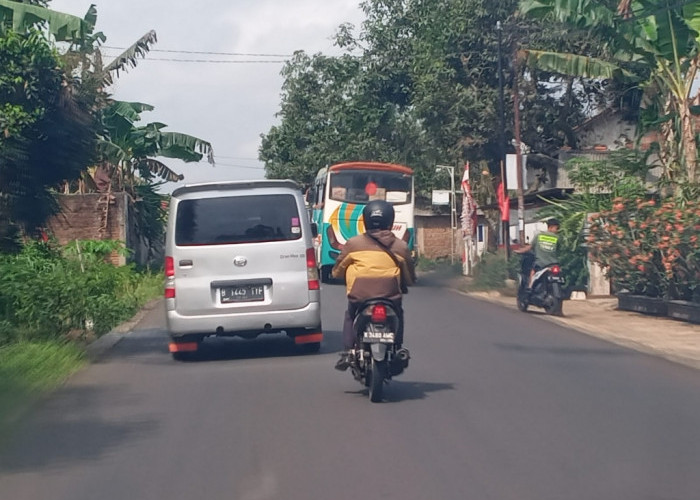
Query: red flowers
x=649, y=249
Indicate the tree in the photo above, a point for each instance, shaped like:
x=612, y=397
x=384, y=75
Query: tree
x=653, y=42
x=125, y=149
x=417, y=85
x=332, y=110
x=48, y=131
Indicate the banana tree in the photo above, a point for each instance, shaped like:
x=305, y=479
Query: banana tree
x=653, y=42
x=126, y=149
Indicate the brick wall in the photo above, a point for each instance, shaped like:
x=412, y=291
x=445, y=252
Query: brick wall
x=433, y=236
x=82, y=217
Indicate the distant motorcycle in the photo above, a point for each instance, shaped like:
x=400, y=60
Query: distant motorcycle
x=546, y=289
x=376, y=357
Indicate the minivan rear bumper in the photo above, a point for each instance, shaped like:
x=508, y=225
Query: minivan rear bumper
x=230, y=323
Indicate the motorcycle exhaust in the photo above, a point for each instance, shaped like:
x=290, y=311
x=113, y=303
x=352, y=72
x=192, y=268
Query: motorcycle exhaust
x=403, y=354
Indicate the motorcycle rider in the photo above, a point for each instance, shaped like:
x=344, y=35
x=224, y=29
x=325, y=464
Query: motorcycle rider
x=370, y=272
x=545, y=247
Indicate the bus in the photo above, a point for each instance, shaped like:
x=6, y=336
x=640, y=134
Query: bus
x=338, y=196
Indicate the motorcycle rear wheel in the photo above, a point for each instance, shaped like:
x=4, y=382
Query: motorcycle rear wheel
x=553, y=307
x=377, y=375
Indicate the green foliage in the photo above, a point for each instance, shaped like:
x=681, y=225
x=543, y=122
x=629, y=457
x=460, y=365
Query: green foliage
x=649, y=249
x=130, y=149
x=21, y=16
x=492, y=270
x=652, y=42
x=47, y=131
x=29, y=368
x=45, y=291
x=417, y=86
x=621, y=174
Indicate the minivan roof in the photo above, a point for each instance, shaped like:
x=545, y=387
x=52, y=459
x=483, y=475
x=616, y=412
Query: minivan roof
x=234, y=185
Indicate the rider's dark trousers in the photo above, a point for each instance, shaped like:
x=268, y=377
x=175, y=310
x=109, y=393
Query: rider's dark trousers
x=349, y=331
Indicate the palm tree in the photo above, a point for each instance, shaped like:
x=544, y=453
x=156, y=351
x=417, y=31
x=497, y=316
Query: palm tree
x=655, y=43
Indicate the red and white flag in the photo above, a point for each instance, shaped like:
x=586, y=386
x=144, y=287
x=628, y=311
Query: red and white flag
x=469, y=216
x=503, y=202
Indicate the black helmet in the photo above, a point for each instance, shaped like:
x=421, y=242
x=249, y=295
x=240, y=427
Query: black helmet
x=553, y=222
x=378, y=214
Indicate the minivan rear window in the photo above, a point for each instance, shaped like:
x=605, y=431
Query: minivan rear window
x=237, y=219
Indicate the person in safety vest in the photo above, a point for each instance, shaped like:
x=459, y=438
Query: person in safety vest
x=370, y=272
x=545, y=247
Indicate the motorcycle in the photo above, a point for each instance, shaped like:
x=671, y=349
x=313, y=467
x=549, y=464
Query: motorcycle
x=377, y=357
x=546, y=291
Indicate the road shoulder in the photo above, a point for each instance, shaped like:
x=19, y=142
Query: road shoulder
x=673, y=340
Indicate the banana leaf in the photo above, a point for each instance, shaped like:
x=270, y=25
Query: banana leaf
x=575, y=65
x=63, y=27
x=128, y=58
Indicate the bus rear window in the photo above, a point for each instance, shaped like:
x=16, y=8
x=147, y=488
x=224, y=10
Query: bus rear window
x=361, y=186
x=237, y=219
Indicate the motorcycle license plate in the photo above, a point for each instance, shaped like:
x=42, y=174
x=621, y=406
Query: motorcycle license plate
x=375, y=336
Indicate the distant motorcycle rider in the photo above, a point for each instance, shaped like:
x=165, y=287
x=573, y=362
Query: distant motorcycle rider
x=370, y=272
x=545, y=247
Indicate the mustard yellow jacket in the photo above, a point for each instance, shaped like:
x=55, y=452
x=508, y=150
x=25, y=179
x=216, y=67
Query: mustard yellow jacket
x=369, y=271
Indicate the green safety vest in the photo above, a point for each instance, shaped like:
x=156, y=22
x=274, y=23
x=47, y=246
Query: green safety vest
x=545, y=248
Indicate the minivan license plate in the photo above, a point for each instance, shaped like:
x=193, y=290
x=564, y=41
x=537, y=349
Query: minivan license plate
x=244, y=293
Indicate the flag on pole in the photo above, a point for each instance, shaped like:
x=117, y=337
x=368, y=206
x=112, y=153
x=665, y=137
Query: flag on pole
x=469, y=216
x=503, y=202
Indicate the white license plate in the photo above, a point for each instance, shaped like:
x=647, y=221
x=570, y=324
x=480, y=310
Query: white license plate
x=245, y=293
x=381, y=337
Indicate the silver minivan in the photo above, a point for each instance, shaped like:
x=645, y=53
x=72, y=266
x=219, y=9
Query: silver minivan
x=240, y=261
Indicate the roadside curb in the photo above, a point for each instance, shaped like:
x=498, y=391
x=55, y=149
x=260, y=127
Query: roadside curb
x=97, y=349
x=648, y=347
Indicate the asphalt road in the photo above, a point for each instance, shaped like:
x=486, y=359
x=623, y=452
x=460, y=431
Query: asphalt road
x=496, y=404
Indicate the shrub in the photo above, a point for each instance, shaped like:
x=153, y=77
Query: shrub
x=649, y=249
x=46, y=291
x=492, y=270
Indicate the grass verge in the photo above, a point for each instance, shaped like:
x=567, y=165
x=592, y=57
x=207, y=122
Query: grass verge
x=30, y=369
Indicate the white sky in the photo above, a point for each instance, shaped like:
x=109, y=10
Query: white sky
x=229, y=105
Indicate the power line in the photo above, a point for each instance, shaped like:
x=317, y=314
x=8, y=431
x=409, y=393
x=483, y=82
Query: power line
x=216, y=61
x=205, y=52
x=244, y=158
x=238, y=166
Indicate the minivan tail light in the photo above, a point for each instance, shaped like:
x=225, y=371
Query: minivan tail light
x=169, y=278
x=312, y=270
x=169, y=267
x=379, y=313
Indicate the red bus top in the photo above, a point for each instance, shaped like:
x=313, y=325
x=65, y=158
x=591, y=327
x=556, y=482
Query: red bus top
x=371, y=165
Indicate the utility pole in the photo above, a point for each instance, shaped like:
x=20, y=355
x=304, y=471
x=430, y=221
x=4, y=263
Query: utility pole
x=453, y=210
x=518, y=153
x=502, y=138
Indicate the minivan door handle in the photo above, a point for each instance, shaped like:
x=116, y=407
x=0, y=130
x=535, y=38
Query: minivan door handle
x=185, y=263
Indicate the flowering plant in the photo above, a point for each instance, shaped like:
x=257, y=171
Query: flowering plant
x=649, y=248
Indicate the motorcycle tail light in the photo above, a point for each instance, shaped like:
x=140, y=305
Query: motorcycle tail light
x=556, y=270
x=379, y=313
